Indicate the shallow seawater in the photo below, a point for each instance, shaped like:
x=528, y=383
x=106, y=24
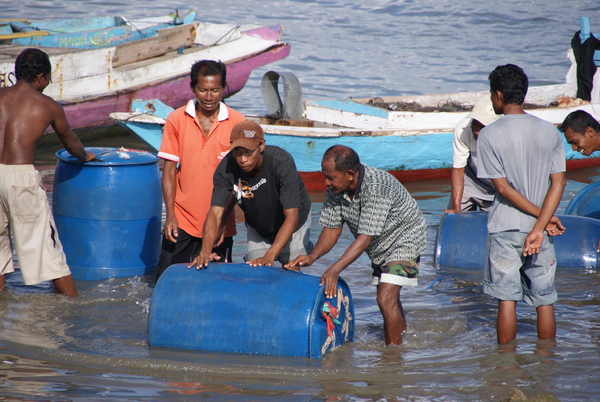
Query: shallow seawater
x=95, y=346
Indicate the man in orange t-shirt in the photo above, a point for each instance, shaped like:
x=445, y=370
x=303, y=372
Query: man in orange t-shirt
x=195, y=140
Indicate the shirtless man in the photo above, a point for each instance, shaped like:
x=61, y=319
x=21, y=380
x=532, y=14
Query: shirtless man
x=25, y=113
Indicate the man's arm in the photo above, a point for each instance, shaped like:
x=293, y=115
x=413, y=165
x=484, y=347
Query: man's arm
x=169, y=187
x=210, y=234
x=330, y=277
x=554, y=227
x=284, y=234
x=69, y=140
x=327, y=240
x=533, y=242
x=457, y=181
x=514, y=197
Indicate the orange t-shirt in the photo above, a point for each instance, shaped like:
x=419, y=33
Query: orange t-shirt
x=198, y=156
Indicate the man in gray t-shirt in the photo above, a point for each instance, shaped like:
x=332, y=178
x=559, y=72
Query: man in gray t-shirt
x=520, y=153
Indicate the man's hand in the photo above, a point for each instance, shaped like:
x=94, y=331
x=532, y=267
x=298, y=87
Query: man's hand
x=262, y=261
x=89, y=156
x=555, y=227
x=452, y=211
x=533, y=243
x=203, y=259
x=300, y=261
x=171, y=229
x=329, y=278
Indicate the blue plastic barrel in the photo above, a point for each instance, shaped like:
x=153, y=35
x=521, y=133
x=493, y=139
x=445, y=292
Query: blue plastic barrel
x=108, y=213
x=586, y=202
x=253, y=310
x=461, y=241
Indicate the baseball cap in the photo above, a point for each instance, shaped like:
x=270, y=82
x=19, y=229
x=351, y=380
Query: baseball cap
x=483, y=111
x=246, y=134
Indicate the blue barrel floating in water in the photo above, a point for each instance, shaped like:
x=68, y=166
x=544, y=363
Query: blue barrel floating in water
x=461, y=241
x=586, y=202
x=108, y=213
x=242, y=309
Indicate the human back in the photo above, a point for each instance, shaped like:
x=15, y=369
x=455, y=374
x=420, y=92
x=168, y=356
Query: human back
x=527, y=150
x=25, y=112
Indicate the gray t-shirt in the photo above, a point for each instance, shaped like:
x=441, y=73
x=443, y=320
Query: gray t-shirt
x=525, y=150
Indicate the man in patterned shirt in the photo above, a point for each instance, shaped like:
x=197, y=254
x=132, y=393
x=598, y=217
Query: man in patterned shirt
x=386, y=223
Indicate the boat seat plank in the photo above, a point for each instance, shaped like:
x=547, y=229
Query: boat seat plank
x=166, y=40
x=26, y=34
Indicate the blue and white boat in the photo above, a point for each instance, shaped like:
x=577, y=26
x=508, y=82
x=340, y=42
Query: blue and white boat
x=87, y=33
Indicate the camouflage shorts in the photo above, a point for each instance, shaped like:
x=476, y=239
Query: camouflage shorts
x=403, y=273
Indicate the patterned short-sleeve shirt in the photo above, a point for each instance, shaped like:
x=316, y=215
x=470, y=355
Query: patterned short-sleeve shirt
x=383, y=209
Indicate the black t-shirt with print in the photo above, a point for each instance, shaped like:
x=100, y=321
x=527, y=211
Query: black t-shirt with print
x=276, y=187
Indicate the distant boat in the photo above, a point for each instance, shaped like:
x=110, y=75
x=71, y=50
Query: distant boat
x=90, y=84
x=409, y=113
x=410, y=154
x=388, y=133
x=86, y=33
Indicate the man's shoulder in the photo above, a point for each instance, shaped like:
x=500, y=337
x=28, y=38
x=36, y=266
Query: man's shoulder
x=459, y=129
x=234, y=115
x=378, y=176
x=277, y=154
x=34, y=102
x=228, y=167
x=177, y=114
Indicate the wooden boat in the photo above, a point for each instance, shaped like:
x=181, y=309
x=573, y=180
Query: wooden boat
x=412, y=145
x=418, y=151
x=90, y=84
x=86, y=33
x=410, y=113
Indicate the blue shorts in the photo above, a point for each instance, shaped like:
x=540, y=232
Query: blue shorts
x=508, y=275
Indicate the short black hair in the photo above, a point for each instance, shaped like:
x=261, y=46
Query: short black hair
x=511, y=81
x=208, y=68
x=344, y=158
x=578, y=121
x=30, y=63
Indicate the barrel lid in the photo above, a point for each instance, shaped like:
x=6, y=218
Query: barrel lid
x=111, y=157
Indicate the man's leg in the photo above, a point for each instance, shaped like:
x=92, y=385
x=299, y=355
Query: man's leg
x=65, y=285
x=184, y=251
x=546, y=322
x=506, y=324
x=394, y=322
x=224, y=250
x=298, y=245
x=2, y=282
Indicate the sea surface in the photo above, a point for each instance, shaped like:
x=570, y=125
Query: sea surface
x=95, y=347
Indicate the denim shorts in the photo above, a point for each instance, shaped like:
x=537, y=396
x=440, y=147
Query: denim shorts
x=299, y=244
x=508, y=275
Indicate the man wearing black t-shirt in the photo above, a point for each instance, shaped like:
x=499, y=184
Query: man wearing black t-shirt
x=264, y=182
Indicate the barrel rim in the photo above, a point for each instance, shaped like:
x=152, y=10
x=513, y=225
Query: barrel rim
x=140, y=157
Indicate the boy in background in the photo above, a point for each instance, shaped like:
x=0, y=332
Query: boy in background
x=520, y=153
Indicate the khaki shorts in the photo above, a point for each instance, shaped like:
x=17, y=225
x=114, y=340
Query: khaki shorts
x=299, y=244
x=24, y=207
